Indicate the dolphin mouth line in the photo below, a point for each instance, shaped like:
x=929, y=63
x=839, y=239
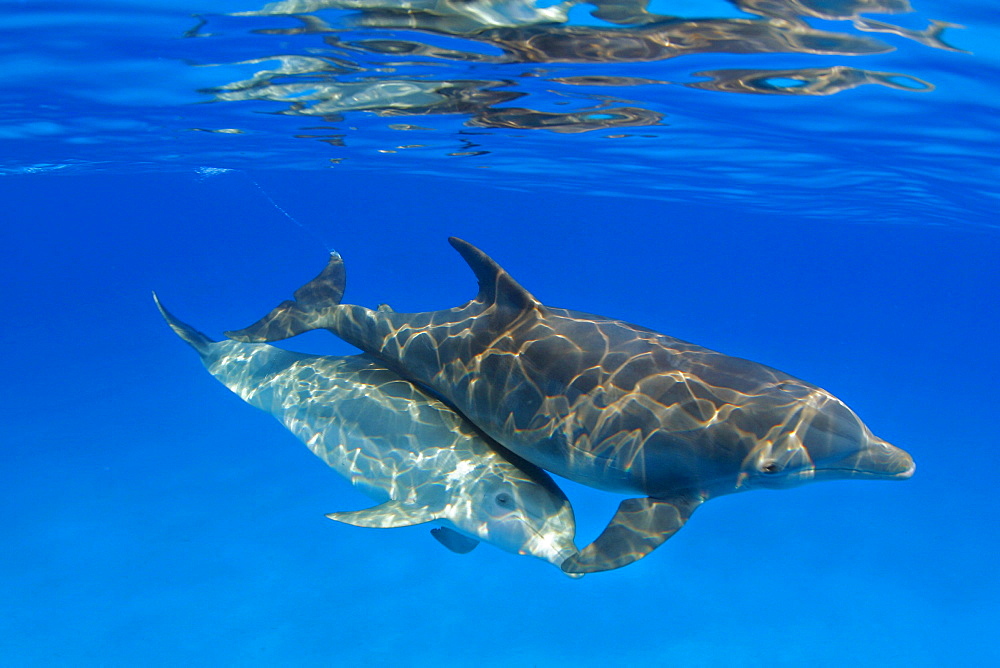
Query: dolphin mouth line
x=554, y=553
x=901, y=475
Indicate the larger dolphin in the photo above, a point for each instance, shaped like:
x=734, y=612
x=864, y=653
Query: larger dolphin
x=402, y=447
x=603, y=402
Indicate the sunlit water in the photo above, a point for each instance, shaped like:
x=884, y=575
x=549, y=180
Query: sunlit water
x=810, y=185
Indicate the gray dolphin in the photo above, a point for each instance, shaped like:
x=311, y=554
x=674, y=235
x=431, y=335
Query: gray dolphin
x=397, y=444
x=603, y=402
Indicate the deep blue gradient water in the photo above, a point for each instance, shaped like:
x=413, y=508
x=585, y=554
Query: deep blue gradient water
x=824, y=203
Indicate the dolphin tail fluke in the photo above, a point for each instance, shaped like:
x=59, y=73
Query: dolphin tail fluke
x=196, y=339
x=294, y=317
x=638, y=528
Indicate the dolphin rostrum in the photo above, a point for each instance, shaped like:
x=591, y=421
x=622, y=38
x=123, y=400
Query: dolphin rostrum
x=402, y=447
x=603, y=402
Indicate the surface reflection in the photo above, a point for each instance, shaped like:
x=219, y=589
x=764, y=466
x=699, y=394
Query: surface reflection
x=472, y=58
x=807, y=81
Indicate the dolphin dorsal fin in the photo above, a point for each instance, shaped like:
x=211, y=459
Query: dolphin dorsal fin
x=495, y=285
x=388, y=515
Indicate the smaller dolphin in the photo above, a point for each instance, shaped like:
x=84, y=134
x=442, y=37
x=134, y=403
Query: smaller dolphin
x=417, y=457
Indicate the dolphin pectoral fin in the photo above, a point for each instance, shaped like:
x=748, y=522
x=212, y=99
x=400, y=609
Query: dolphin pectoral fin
x=294, y=317
x=454, y=541
x=638, y=528
x=388, y=515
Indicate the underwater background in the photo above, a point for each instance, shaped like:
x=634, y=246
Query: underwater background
x=809, y=185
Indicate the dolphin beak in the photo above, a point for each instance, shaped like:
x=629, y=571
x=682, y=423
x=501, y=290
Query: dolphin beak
x=562, y=556
x=878, y=460
x=556, y=552
x=842, y=447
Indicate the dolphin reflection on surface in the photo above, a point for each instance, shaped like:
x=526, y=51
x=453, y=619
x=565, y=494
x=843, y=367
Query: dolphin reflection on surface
x=388, y=57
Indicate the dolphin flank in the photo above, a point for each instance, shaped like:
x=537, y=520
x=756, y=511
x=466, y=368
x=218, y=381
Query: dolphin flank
x=604, y=402
x=402, y=447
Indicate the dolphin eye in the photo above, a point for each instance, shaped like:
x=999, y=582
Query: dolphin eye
x=504, y=499
x=770, y=467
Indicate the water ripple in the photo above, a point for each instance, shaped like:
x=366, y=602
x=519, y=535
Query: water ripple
x=840, y=109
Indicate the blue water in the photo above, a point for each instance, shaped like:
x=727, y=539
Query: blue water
x=820, y=221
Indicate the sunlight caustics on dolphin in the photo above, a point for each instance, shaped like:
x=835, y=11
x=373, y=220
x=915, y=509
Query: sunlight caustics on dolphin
x=402, y=447
x=604, y=402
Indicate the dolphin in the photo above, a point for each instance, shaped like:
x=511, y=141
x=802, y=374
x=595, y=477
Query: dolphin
x=603, y=402
x=402, y=447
